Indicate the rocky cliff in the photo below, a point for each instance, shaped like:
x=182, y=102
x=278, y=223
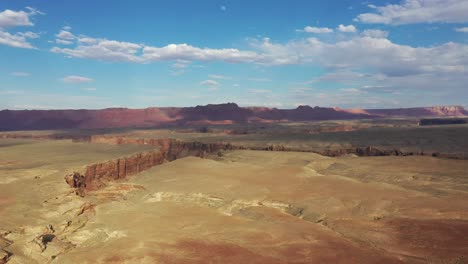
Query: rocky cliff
x=95, y=176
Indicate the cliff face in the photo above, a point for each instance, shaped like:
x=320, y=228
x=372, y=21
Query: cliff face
x=209, y=114
x=96, y=175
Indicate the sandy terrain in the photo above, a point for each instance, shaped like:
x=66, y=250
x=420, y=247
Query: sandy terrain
x=238, y=207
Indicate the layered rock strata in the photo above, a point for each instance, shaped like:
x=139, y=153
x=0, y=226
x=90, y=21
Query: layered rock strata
x=95, y=176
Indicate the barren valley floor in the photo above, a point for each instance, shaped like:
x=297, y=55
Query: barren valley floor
x=231, y=206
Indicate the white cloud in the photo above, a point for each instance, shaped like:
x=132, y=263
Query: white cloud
x=17, y=40
x=365, y=59
x=375, y=33
x=188, y=52
x=462, y=29
x=76, y=79
x=371, y=50
x=88, y=41
x=9, y=19
x=20, y=74
x=223, y=8
x=221, y=77
x=210, y=83
x=105, y=50
x=63, y=34
x=347, y=29
x=418, y=11
x=318, y=30
x=376, y=54
x=111, y=50
x=28, y=34
x=64, y=41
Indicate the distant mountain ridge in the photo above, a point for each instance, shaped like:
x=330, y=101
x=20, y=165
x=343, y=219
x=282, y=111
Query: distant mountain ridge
x=453, y=110
x=208, y=114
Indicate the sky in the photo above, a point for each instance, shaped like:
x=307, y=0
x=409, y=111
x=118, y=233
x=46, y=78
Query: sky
x=68, y=54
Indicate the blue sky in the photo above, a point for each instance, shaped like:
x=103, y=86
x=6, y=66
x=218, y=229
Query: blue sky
x=351, y=54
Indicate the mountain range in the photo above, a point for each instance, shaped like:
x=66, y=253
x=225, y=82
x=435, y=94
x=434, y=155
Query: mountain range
x=228, y=113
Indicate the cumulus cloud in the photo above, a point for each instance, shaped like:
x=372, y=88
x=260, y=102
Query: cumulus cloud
x=10, y=19
x=346, y=29
x=188, y=52
x=376, y=54
x=462, y=29
x=317, y=30
x=76, y=79
x=418, y=11
x=110, y=50
x=17, y=40
x=375, y=33
x=63, y=34
x=105, y=50
x=369, y=56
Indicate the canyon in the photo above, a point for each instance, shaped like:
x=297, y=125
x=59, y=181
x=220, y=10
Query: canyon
x=95, y=176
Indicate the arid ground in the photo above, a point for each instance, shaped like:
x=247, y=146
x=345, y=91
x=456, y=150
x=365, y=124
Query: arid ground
x=312, y=192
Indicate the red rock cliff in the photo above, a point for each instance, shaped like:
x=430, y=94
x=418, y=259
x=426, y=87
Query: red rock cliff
x=96, y=175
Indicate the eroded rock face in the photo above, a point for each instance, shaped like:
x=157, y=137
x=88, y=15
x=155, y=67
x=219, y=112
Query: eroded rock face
x=96, y=175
